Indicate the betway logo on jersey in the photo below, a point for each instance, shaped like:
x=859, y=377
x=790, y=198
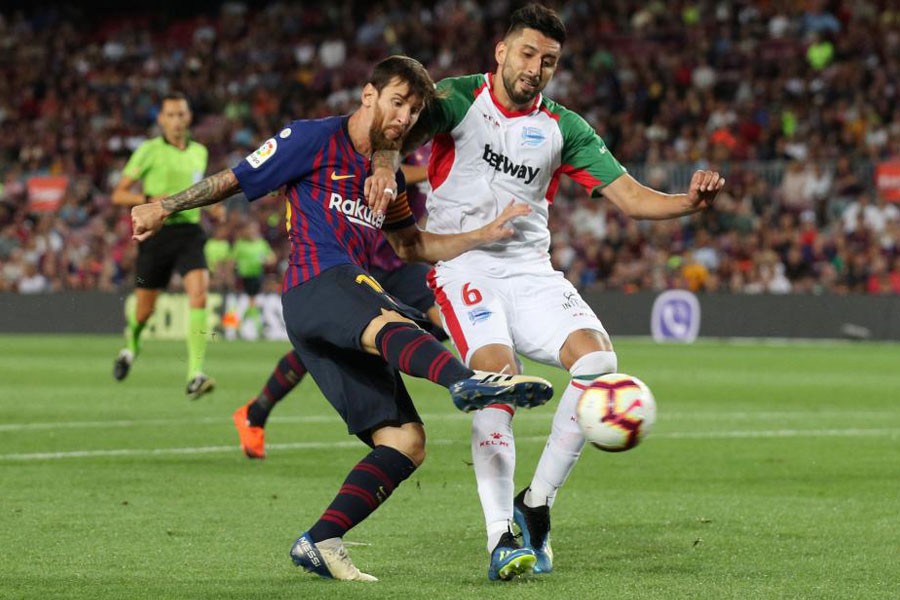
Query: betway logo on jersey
x=356, y=211
x=502, y=163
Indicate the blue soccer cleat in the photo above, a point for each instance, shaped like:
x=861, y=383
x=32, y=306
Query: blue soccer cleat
x=534, y=523
x=327, y=559
x=509, y=559
x=485, y=388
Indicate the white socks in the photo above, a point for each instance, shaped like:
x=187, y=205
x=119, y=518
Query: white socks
x=565, y=442
x=494, y=458
x=494, y=450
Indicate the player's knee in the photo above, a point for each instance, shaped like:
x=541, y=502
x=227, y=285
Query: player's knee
x=376, y=328
x=497, y=358
x=197, y=299
x=417, y=454
x=413, y=447
x=595, y=363
x=408, y=440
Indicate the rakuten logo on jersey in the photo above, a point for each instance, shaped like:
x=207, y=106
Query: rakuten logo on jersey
x=356, y=211
x=502, y=164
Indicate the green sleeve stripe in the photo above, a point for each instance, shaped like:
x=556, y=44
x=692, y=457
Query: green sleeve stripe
x=455, y=97
x=585, y=157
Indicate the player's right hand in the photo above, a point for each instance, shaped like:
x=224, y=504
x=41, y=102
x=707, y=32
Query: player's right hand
x=380, y=190
x=499, y=228
x=146, y=220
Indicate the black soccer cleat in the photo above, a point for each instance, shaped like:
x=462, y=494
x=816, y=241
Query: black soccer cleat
x=122, y=364
x=200, y=385
x=534, y=524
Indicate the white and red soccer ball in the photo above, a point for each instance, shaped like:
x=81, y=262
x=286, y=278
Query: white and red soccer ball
x=616, y=411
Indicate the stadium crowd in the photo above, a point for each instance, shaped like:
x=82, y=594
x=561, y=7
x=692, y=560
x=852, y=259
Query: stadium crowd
x=793, y=101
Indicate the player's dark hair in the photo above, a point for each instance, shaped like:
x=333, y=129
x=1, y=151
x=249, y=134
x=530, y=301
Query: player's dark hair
x=408, y=70
x=174, y=96
x=540, y=18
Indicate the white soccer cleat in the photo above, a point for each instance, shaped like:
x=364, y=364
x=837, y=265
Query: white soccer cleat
x=484, y=388
x=328, y=559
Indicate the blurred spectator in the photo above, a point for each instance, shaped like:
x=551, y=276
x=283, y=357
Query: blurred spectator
x=863, y=214
x=795, y=104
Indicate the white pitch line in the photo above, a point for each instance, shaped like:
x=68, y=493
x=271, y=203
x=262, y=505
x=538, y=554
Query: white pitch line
x=148, y=423
x=538, y=414
x=721, y=435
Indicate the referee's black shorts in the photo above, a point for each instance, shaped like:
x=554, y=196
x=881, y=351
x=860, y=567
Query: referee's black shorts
x=325, y=319
x=177, y=247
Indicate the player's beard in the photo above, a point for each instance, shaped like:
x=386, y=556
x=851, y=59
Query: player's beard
x=377, y=137
x=510, y=78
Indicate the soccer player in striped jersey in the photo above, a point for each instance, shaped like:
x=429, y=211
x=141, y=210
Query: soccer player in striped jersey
x=496, y=137
x=404, y=281
x=352, y=336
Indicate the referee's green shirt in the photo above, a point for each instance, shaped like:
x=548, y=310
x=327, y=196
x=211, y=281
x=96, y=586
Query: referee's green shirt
x=164, y=169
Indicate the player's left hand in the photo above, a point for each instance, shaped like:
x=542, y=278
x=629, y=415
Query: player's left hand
x=380, y=189
x=704, y=187
x=499, y=228
x=146, y=220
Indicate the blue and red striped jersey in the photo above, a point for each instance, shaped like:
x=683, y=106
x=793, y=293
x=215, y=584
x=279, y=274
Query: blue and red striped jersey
x=328, y=221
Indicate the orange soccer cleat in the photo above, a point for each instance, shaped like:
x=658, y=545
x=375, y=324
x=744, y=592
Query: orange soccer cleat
x=253, y=439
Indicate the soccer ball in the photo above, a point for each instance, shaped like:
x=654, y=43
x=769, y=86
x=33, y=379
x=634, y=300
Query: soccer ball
x=615, y=412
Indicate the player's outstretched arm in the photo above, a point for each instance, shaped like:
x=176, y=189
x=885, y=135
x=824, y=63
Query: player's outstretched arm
x=414, y=245
x=641, y=202
x=147, y=219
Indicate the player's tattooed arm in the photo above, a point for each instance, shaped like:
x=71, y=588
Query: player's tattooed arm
x=147, y=219
x=381, y=185
x=214, y=188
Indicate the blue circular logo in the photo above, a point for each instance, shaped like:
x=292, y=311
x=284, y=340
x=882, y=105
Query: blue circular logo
x=676, y=317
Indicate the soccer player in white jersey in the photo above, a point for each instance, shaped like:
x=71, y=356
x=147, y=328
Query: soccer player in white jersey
x=497, y=138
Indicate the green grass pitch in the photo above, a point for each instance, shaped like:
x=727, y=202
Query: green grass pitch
x=773, y=472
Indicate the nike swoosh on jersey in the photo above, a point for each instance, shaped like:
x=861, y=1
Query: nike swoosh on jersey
x=336, y=177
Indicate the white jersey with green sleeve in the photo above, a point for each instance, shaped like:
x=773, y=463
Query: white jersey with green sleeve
x=484, y=156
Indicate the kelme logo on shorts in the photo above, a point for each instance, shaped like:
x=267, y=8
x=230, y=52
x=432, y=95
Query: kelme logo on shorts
x=356, y=211
x=675, y=317
x=501, y=163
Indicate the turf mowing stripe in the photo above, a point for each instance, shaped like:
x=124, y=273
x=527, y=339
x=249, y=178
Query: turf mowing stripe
x=777, y=433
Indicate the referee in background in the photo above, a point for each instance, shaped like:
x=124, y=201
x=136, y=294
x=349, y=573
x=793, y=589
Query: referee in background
x=160, y=167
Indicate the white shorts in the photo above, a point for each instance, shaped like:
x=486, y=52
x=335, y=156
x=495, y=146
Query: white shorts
x=534, y=314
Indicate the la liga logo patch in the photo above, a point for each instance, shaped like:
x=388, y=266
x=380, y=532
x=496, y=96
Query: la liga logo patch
x=263, y=153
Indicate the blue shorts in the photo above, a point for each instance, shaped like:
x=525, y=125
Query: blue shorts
x=325, y=318
x=409, y=284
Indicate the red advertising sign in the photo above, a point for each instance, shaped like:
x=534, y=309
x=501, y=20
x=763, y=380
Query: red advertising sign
x=46, y=193
x=887, y=180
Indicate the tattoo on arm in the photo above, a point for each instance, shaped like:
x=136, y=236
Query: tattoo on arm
x=387, y=159
x=208, y=191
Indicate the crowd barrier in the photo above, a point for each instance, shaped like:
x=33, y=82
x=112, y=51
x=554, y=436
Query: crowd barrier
x=675, y=317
